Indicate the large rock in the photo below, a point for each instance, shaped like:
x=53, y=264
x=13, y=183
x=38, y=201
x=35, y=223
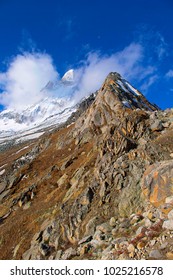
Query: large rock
x=130, y=200
x=168, y=224
x=157, y=126
x=70, y=252
x=155, y=254
x=157, y=182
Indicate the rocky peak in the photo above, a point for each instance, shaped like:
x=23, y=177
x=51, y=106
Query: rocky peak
x=113, y=76
x=116, y=98
x=124, y=93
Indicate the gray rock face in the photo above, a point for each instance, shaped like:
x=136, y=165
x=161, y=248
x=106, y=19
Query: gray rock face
x=105, y=228
x=68, y=254
x=157, y=126
x=157, y=182
x=112, y=222
x=155, y=254
x=168, y=224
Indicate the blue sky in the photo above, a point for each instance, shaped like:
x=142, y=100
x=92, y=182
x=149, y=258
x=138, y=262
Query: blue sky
x=92, y=36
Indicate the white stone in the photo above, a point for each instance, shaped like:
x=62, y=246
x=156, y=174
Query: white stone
x=148, y=223
x=168, y=224
x=131, y=248
x=169, y=199
x=112, y=222
x=152, y=242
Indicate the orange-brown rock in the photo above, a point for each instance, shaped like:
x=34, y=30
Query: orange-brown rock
x=157, y=182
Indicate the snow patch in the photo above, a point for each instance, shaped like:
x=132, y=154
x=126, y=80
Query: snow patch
x=132, y=89
x=68, y=76
x=29, y=137
x=2, y=172
x=47, y=113
x=126, y=103
x=22, y=149
x=122, y=86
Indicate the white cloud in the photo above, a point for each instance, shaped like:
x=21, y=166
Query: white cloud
x=151, y=80
x=128, y=62
x=161, y=46
x=169, y=74
x=30, y=72
x=26, y=76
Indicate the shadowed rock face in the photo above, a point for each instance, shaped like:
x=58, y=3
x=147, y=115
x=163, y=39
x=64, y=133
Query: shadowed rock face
x=97, y=188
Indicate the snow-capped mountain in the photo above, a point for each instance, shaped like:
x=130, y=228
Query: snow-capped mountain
x=62, y=86
x=59, y=100
x=51, y=111
x=32, y=122
x=11, y=120
x=68, y=77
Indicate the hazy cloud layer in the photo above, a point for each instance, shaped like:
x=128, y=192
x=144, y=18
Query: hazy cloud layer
x=28, y=73
x=24, y=79
x=128, y=62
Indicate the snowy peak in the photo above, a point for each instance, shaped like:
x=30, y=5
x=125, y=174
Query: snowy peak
x=33, y=115
x=49, y=111
x=68, y=77
x=62, y=85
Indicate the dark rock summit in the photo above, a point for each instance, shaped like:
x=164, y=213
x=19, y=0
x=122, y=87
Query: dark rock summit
x=98, y=187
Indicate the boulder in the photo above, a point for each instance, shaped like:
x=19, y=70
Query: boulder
x=169, y=255
x=157, y=183
x=168, y=224
x=112, y=222
x=157, y=126
x=155, y=254
x=70, y=252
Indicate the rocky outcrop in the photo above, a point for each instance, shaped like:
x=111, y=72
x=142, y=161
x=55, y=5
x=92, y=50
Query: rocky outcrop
x=116, y=97
x=157, y=183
